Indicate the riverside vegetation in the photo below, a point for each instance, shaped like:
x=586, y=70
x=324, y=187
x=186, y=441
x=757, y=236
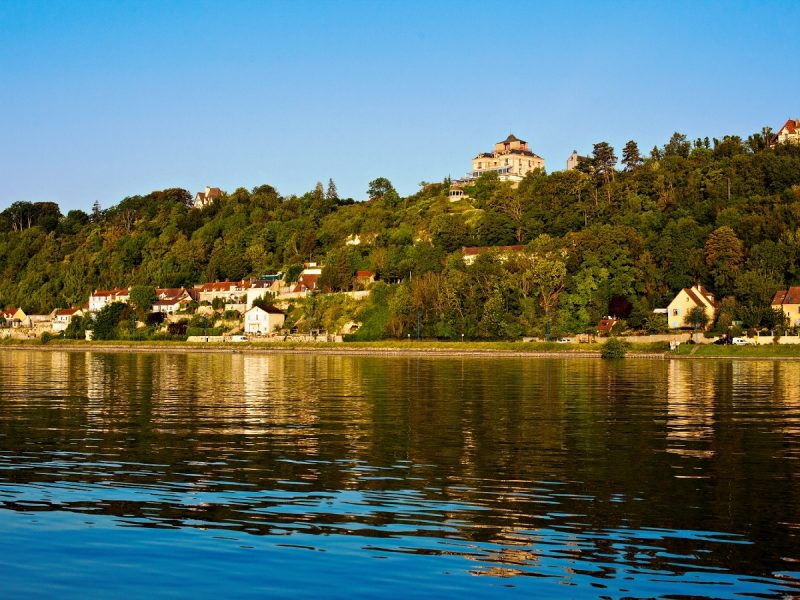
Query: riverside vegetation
x=602, y=239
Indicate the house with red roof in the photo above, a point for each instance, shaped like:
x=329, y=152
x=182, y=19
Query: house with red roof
x=604, y=326
x=100, y=298
x=788, y=301
x=364, y=278
x=680, y=309
x=205, y=198
x=789, y=133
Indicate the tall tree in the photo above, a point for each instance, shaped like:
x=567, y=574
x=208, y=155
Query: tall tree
x=142, y=297
x=97, y=212
x=332, y=193
x=724, y=254
x=630, y=156
x=604, y=160
x=678, y=145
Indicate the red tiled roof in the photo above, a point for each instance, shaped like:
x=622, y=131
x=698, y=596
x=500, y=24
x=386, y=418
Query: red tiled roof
x=167, y=302
x=790, y=296
x=111, y=292
x=791, y=126
x=474, y=250
x=605, y=325
x=170, y=292
x=364, y=273
x=217, y=286
x=697, y=300
x=65, y=312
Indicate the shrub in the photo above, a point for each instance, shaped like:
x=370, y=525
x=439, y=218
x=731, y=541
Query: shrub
x=614, y=348
x=156, y=318
x=178, y=328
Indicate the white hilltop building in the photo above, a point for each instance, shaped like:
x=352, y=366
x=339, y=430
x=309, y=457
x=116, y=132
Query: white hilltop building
x=511, y=159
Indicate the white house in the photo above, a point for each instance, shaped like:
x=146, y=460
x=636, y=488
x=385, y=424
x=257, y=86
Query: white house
x=62, y=317
x=262, y=321
x=100, y=298
x=681, y=306
x=167, y=306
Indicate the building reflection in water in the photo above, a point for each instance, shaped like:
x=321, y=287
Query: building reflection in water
x=507, y=462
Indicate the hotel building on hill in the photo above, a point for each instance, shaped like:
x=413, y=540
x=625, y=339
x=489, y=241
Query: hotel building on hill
x=511, y=159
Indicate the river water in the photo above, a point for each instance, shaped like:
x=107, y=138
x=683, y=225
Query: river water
x=232, y=475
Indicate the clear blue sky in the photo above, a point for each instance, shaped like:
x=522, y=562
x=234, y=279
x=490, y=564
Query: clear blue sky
x=101, y=100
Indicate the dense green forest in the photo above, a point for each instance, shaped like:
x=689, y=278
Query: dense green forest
x=612, y=237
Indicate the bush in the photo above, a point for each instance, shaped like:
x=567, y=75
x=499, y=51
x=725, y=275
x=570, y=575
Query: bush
x=46, y=337
x=156, y=318
x=177, y=329
x=614, y=348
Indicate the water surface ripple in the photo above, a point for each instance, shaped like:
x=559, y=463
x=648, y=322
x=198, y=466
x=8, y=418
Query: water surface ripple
x=339, y=476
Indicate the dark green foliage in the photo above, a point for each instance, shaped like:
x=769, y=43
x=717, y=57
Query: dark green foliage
x=77, y=328
x=614, y=348
x=142, y=298
x=724, y=213
x=108, y=319
x=156, y=318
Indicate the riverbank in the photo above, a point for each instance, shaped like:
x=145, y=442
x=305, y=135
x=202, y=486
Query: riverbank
x=381, y=348
x=414, y=348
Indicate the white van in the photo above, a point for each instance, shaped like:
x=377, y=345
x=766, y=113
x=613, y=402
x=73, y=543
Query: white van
x=741, y=342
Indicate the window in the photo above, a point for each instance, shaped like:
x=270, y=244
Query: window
x=675, y=312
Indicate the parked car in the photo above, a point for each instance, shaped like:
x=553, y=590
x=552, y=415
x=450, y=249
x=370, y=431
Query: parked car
x=724, y=340
x=737, y=341
x=564, y=341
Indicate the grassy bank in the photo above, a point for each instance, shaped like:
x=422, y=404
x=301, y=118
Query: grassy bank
x=414, y=347
x=712, y=351
x=385, y=346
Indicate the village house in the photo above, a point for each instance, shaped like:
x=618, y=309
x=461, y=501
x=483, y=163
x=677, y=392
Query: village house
x=470, y=253
x=62, y=317
x=171, y=300
x=227, y=291
x=307, y=280
x=788, y=301
x=788, y=134
x=364, y=278
x=604, y=326
x=679, y=310
x=15, y=317
x=511, y=159
x=168, y=306
x=263, y=321
x=203, y=199
x=100, y=298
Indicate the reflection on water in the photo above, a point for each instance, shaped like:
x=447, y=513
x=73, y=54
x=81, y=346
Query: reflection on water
x=346, y=476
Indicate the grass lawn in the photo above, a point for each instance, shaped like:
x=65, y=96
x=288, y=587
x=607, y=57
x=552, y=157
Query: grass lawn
x=760, y=351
